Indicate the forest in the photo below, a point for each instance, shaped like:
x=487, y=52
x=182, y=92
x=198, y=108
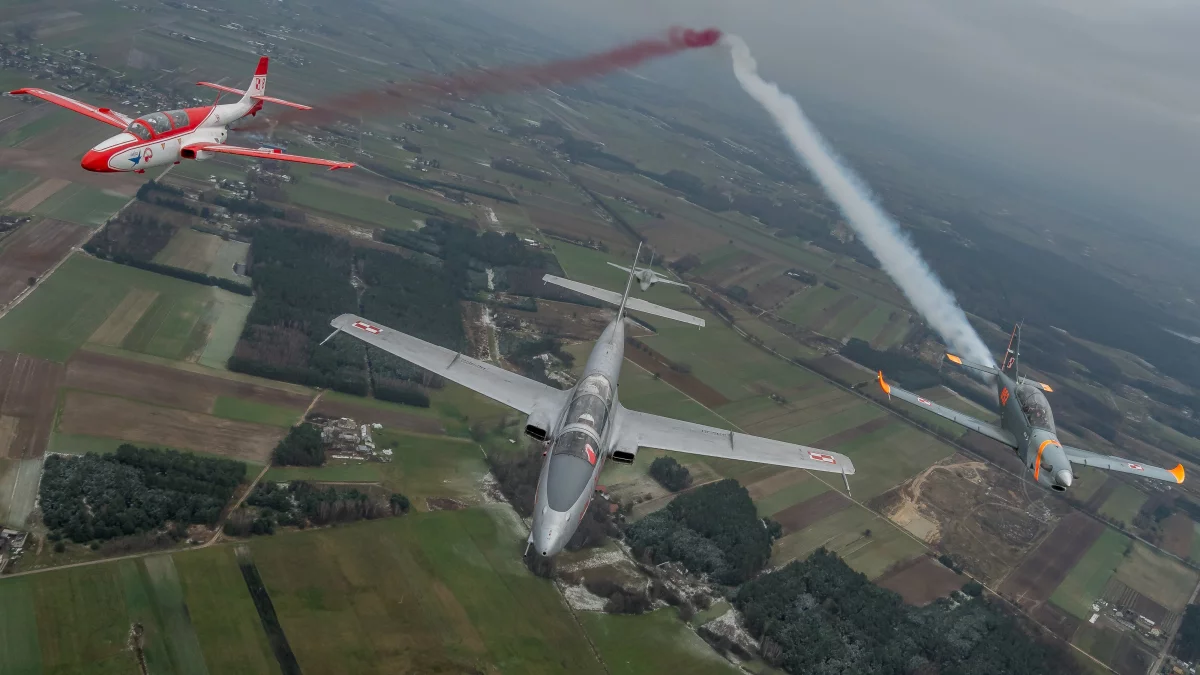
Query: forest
x=301, y=447
x=134, y=490
x=819, y=617
x=1187, y=640
x=713, y=529
x=301, y=281
x=301, y=504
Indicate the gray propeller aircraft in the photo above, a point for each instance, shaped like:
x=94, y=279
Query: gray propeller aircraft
x=1027, y=425
x=647, y=277
x=583, y=427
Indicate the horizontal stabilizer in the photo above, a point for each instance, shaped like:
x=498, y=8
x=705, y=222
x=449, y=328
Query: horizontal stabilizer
x=970, y=364
x=221, y=87
x=614, y=298
x=279, y=101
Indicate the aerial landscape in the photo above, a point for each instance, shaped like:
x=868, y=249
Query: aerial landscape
x=432, y=337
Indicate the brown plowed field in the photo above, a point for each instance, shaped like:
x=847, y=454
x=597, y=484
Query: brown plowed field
x=799, y=516
x=32, y=250
x=365, y=413
x=1102, y=494
x=921, y=580
x=1057, y=621
x=833, y=441
x=166, y=386
x=688, y=384
x=1177, y=535
x=151, y=425
x=1044, y=569
x=27, y=396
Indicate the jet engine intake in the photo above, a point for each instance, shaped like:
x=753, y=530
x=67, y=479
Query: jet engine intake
x=192, y=153
x=539, y=426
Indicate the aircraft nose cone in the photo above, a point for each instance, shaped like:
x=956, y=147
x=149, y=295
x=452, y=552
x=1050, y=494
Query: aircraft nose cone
x=95, y=161
x=548, y=532
x=1063, y=477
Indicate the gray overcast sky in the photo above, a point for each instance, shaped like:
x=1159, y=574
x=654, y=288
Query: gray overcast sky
x=1101, y=95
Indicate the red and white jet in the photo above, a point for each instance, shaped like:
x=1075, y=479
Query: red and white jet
x=166, y=137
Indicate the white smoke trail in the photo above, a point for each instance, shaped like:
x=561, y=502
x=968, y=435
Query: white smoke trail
x=892, y=247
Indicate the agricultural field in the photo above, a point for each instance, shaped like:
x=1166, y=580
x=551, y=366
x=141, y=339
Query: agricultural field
x=650, y=644
x=82, y=204
x=32, y=251
x=230, y=408
x=90, y=414
x=1123, y=504
x=78, y=620
x=11, y=184
x=443, y=591
x=1087, y=578
x=422, y=468
x=190, y=250
x=90, y=300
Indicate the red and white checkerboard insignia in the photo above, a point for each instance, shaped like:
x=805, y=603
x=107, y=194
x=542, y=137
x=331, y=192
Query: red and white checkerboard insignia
x=1136, y=467
x=361, y=325
x=923, y=401
x=822, y=457
x=591, y=454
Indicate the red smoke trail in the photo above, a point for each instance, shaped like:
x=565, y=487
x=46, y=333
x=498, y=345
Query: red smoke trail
x=501, y=80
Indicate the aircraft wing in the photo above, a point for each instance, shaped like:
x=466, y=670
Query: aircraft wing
x=268, y=153
x=989, y=430
x=651, y=431
x=635, y=304
x=1129, y=466
x=496, y=383
x=110, y=117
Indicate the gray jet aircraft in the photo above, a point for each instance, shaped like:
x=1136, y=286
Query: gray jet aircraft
x=1027, y=425
x=587, y=425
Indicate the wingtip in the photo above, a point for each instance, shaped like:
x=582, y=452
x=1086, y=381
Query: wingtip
x=1178, y=472
x=954, y=358
x=887, y=388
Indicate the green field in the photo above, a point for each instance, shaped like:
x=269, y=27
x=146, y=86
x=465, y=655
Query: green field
x=254, y=411
x=1085, y=582
x=889, y=456
x=1158, y=577
x=345, y=202
x=226, y=329
x=12, y=182
x=806, y=489
x=437, y=592
x=650, y=644
x=722, y=359
x=81, y=204
x=422, y=467
x=45, y=124
x=78, y=298
x=19, y=649
x=230, y=252
x=223, y=615
x=1123, y=504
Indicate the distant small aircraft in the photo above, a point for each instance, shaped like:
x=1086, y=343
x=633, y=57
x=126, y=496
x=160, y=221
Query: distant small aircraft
x=166, y=137
x=1027, y=425
x=647, y=277
x=585, y=426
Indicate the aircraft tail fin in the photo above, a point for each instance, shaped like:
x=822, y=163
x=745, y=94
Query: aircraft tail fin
x=256, y=94
x=258, y=85
x=624, y=302
x=629, y=282
x=1008, y=365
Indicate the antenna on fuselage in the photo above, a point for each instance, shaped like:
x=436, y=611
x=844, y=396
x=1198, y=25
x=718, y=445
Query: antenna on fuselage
x=629, y=282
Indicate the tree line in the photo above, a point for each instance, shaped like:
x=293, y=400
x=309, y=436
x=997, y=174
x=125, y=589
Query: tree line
x=714, y=529
x=132, y=491
x=301, y=504
x=819, y=617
